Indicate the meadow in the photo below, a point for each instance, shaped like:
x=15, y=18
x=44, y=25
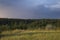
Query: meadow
x=31, y=35
x=29, y=29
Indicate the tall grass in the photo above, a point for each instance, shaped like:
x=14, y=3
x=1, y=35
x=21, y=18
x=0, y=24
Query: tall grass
x=33, y=35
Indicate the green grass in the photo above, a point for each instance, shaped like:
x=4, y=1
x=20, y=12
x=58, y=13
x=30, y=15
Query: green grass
x=33, y=35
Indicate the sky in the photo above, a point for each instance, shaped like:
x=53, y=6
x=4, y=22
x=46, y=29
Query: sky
x=30, y=9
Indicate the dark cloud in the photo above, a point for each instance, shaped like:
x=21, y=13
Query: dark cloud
x=30, y=8
x=43, y=12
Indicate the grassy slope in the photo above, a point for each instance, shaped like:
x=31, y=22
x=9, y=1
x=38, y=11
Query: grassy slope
x=31, y=35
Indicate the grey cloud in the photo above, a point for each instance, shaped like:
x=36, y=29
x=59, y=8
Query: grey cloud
x=28, y=9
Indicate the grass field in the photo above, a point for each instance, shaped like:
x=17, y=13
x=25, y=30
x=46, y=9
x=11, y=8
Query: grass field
x=31, y=35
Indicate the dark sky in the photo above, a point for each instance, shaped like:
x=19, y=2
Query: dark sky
x=29, y=9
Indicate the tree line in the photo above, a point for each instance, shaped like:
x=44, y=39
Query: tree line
x=24, y=24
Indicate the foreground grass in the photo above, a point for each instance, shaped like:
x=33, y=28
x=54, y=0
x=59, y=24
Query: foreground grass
x=32, y=35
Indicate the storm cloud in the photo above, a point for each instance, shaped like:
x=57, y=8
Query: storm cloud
x=29, y=9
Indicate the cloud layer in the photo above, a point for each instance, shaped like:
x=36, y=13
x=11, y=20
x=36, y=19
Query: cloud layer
x=29, y=9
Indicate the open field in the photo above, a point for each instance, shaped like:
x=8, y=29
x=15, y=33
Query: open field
x=29, y=29
x=31, y=35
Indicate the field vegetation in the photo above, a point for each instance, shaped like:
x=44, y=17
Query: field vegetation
x=31, y=35
x=29, y=29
